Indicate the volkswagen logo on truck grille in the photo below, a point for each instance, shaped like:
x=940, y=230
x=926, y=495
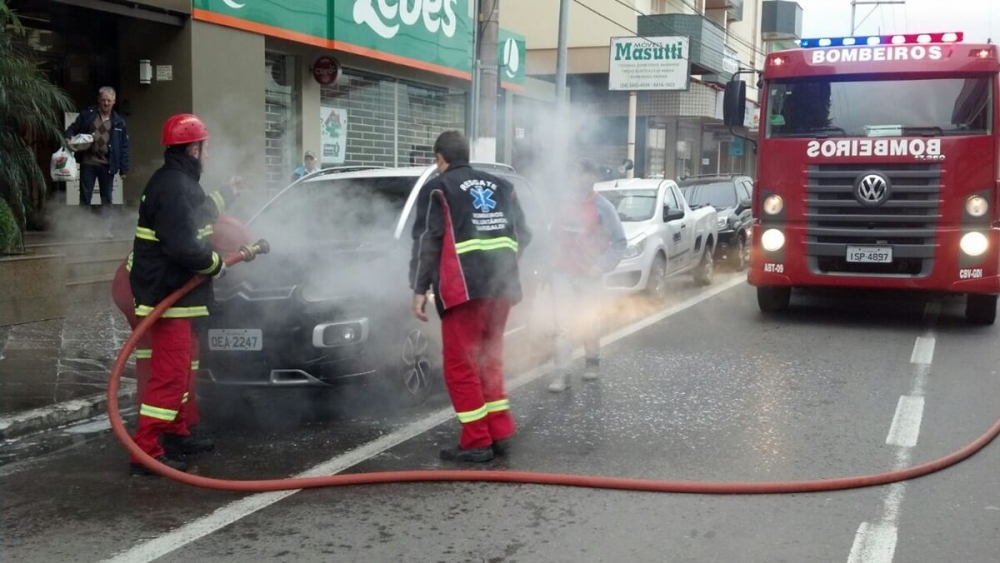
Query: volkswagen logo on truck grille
x=871, y=189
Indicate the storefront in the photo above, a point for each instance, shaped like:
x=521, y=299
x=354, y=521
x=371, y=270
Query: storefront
x=354, y=85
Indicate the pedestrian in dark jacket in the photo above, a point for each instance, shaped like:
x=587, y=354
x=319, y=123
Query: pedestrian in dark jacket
x=171, y=246
x=467, y=238
x=108, y=155
x=589, y=242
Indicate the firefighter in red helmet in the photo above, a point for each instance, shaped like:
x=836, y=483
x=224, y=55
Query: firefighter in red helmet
x=171, y=245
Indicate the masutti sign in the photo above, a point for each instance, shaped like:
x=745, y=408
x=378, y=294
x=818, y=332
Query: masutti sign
x=649, y=63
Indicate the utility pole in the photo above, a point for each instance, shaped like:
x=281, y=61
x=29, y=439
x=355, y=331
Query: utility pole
x=486, y=141
x=562, y=52
x=856, y=3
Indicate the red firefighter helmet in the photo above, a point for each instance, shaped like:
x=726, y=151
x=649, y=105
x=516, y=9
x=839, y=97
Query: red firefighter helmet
x=183, y=129
x=228, y=235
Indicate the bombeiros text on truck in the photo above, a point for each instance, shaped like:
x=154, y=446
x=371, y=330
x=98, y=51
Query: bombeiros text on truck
x=877, y=168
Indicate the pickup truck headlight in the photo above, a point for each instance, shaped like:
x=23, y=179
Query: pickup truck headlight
x=723, y=222
x=635, y=248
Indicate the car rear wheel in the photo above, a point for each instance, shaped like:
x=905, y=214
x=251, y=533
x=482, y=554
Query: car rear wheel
x=981, y=309
x=773, y=299
x=740, y=256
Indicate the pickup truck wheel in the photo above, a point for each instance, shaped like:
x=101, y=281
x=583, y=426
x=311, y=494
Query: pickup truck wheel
x=656, y=285
x=981, y=309
x=706, y=270
x=773, y=299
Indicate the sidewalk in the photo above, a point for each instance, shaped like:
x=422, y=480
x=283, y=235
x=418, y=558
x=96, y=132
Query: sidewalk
x=54, y=373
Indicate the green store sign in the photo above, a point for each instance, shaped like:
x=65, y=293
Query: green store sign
x=433, y=35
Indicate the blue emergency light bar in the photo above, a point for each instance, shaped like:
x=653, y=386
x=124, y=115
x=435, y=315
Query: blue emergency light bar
x=902, y=39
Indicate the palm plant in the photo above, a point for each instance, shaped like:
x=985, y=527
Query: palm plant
x=30, y=107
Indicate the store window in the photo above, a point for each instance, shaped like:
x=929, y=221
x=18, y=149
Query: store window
x=656, y=151
x=379, y=121
x=281, y=119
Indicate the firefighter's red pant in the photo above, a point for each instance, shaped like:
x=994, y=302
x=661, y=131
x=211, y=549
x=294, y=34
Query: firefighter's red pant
x=170, y=378
x=472, y=334
x=121, y=293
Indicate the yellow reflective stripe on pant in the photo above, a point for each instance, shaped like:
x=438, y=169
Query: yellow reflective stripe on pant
x=486, y=244
x=174, y=312
x=157, y=413
x=498, y=406
x=143, y=354
x=185, y=398
x=146, y=234
x=215, y=264
x=195, y=365
x=472, y=416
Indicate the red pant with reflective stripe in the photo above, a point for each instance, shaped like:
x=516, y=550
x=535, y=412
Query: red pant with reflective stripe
x=169, y=378
x=121, y=293
x=472, y=335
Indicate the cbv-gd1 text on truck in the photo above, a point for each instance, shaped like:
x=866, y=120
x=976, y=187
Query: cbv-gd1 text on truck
x=877, y=168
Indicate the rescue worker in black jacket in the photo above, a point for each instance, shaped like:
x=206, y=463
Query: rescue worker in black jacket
x=170, y=247
x=467, y=238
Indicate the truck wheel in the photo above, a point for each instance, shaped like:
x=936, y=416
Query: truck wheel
x=656, y=285
x=739, y=258
x=706, y=270
x=773, y=299
x=981, y=309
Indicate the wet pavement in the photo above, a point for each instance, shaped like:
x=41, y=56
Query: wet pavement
x=45, y=363
x=713, y=391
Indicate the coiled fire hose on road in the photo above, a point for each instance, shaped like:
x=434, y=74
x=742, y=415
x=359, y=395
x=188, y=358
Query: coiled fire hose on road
x=248, y=253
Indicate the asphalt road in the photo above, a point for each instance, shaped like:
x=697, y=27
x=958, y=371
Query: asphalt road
x=710, y=390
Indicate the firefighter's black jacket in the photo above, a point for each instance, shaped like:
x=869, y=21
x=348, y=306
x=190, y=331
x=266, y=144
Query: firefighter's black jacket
x=468, y=233
x=171, y=244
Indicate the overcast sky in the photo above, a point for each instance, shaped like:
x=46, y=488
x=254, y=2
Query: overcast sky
x=825, y=18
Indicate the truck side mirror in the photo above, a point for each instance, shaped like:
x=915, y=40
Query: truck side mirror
x=671, y=214
x=734, y=103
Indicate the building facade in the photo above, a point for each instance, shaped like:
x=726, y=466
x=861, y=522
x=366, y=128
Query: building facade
x=679, y=133
x=356, y=82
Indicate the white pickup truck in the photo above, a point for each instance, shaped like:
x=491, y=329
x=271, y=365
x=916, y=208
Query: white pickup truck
x=665, y=236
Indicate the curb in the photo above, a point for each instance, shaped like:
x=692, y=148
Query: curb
x=60, y=414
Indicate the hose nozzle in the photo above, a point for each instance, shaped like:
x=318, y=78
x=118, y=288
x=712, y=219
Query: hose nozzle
x=250, y=252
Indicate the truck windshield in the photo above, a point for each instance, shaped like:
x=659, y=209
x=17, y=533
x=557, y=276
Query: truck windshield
x=820, y=107
x=633, y=205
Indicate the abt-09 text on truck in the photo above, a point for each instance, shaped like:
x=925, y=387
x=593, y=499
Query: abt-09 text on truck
x=877, y=168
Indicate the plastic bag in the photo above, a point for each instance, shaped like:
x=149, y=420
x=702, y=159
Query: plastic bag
x=81, y=142
x=63, y=166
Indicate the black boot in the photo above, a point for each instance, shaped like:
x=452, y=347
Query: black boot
x=471, y=454
x=501, y=447
x=138, y=469
x=176, y=446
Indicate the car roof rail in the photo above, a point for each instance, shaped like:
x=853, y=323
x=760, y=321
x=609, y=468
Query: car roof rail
x=500, y=166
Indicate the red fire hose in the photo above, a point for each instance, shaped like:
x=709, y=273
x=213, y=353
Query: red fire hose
x=247, y=254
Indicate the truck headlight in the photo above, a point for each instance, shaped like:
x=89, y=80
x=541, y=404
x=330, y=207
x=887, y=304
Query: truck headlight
x=773, y=204
x=977, y=206
x=723, y=222
x=974, y=244
x=772, y=240
x=635, y=248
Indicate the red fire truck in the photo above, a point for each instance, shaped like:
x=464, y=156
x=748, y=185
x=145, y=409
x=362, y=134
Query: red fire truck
x=877, y=168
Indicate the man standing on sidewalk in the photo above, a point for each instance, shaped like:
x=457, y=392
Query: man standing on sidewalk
x=589, y=241
x=109, y=153
x=467, y=238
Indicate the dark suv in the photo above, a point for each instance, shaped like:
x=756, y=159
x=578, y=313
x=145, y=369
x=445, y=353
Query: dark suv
x=331, y=302
x=731, y=196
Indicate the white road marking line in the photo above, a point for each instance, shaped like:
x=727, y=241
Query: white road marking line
x=923, y=350
x=874, y=543
x=905, y=427
x=222, y=517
